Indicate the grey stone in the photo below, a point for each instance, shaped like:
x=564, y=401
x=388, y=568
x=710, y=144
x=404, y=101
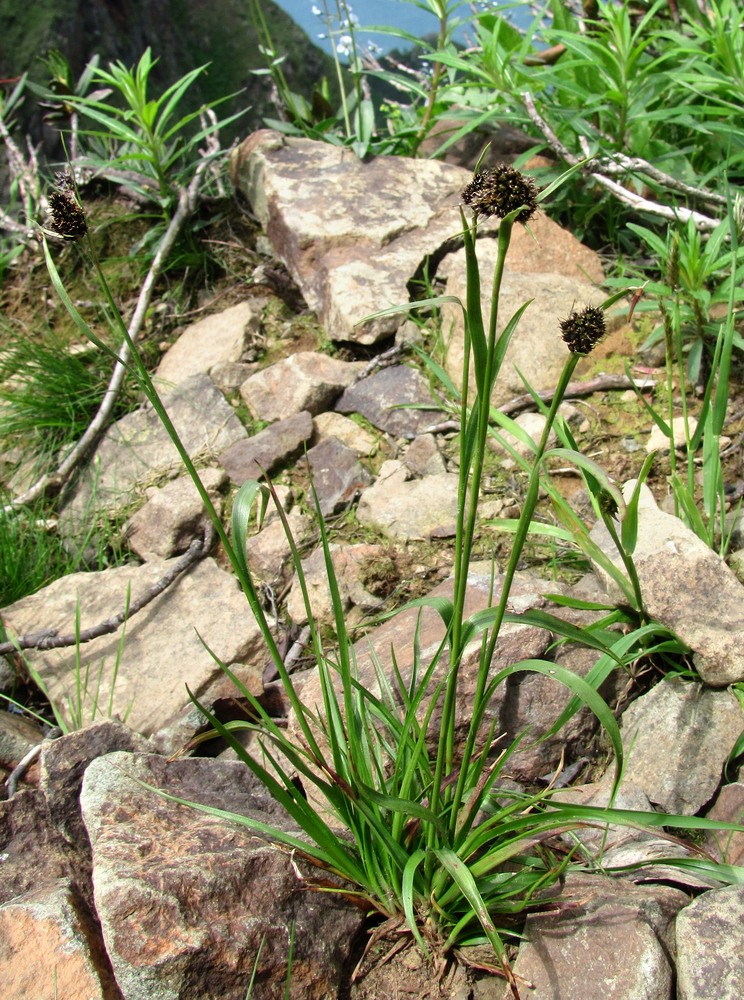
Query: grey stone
x=658, y=441
x=62, y=765
x=710, y=946
x=622, y=846
x=606, y=838
x=384, y=398
x=262, y=454
x=686, y=586
x=173, y=516
x=677, y=738
x=306, y=381
x=8, y=675
x=532, y=704
x=337, y=475
x=35, y=855
x=353, y=255
x=162, y=652
x=331, y=424
x=423, y=456
x=348, y=561
x=229, y=376
x=400, y=634
x=217, y=339
x=269, y=551
x=410, y=509
x=613, y=940
x=222, y=698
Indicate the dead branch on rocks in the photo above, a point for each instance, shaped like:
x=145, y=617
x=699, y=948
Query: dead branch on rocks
x=51, y=483
x=574, y=390
x=624, y=164
x=50, y=640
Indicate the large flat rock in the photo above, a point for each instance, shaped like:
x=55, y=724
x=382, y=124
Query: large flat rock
x=162, y=652
x=352, y=234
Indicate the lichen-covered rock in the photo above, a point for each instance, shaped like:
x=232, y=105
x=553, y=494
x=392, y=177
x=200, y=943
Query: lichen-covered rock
x=187, y=901
x=710, y=946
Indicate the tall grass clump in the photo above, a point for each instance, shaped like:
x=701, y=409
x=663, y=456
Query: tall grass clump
x=48, y=394
x=699, y=351
x=433, y=839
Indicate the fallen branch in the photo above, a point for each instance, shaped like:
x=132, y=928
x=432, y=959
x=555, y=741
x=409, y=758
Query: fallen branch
x=621, y=164
x=53, y=482
x=50, y=640
x=703, y=223
x=574, y=390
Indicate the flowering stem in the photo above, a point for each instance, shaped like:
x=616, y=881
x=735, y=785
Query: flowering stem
x=520, y=537
x=337, y=63
x=471, y=472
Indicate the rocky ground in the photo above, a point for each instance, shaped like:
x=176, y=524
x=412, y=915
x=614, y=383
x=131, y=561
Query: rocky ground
x=111, y=891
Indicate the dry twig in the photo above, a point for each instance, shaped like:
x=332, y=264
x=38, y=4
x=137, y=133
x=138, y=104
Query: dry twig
x=574, y=390
x=53, y=482
x=49, y=638
x=704, y=223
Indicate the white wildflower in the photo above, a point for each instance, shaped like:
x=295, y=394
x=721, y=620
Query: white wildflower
x=344, y=45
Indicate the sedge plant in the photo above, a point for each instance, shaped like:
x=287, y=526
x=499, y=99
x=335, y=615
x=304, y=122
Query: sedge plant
x=383, y=796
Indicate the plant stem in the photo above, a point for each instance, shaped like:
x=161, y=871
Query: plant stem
x=434, y=87
x=520, y=537
x=471, y=472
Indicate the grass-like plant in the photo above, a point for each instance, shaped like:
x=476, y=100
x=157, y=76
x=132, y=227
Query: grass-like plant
x=703, y=357
x=31, y=554
x=698, y=278
x=86, y=704
x=434, y=842
x=48, y=393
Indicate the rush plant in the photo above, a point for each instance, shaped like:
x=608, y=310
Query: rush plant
x=433, y=840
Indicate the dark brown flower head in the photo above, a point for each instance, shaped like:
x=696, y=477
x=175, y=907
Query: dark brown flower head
x=583, y=330
x=501, y=190
x=66, y=217
x=607, y=503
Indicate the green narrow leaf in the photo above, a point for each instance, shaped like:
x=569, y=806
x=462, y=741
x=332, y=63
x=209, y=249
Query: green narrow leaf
x=629, y=524
x=466, y=883
x=407, y=897
x=69, y=306
x=242, y=513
